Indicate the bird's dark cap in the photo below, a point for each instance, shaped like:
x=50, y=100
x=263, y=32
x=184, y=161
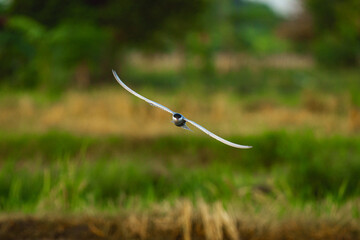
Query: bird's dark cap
x=177, y=115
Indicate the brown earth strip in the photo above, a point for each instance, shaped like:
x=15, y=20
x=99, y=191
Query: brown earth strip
x=167, y=227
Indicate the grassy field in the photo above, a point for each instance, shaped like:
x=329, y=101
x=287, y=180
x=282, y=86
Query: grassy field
x=101, y=162
x=179, y=186
x=72, y=173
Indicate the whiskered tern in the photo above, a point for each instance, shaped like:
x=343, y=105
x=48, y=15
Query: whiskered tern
x=178, y=119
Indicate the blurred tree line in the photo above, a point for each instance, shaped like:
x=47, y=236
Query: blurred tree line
x=42, y=43
x=330, y=30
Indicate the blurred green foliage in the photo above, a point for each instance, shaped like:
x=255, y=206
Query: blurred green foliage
x=255, y=29
x=133, y=22
x=304, y=167
x=17, y=51
x=49, y=42
x=54, y=43
x=37, y=57
x=337, y=31
x=285, y=83
x=57, y=44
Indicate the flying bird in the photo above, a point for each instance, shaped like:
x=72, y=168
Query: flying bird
x=178, y=119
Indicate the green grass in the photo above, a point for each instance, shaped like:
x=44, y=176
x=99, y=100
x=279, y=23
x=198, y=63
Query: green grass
x=284, y=86
x=285, y=83
x=66, y=172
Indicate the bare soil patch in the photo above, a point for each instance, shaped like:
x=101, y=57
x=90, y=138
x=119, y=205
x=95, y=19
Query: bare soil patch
x=160, y=227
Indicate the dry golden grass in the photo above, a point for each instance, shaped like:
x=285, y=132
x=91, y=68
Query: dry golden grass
x=354, y=119
x=114, y=111
x=186, y=221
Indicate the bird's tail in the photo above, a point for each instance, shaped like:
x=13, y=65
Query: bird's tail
x=186, y=127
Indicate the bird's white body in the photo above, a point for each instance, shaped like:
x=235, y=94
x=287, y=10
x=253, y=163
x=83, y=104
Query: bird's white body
x=178, y=119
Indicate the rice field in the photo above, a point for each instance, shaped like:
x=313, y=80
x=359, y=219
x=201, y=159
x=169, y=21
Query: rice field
x=100, y=164
x=187, y=187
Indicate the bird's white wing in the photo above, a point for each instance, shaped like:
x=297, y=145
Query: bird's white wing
x=217, y=137
x=139, y=96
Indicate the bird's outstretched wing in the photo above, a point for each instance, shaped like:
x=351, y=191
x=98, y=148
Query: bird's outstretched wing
x=217, y=137
x=139, y=96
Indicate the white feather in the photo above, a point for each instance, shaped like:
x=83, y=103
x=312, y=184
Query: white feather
x=139, y=96
x=217, y=137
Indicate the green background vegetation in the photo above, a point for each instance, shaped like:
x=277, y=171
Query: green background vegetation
x=80, y=172
x=49, y=48
x=43, y=43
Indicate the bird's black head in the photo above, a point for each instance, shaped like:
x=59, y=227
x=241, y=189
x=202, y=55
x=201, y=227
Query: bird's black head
x=177, y=115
